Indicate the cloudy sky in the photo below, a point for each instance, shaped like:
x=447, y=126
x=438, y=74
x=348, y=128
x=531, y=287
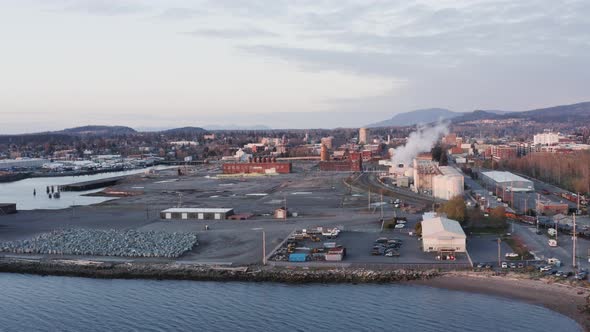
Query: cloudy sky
x=308, y=63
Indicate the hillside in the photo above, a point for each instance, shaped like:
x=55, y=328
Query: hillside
x=98, y=130
x=184, y=131
x=415, y=117
x=564, y=113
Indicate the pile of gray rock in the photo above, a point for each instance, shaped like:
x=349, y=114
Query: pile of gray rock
x=94, y=242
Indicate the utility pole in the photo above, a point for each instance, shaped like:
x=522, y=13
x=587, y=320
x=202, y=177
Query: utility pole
x=286, y=210
x=382, y=206
x=369, y=200
x=499, y=252
x=526, y=211
x=263, y=248
x=574, y=244
x=512, y=194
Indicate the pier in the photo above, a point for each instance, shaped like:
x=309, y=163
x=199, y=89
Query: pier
x=89, y=185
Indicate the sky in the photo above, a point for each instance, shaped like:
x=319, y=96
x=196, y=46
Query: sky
x=283, y=64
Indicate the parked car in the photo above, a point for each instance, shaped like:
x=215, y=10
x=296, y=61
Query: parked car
x=382, y=240
x=520, y=265
x=489, y=266
x=391, y=253
x=393, y=246
x=545, y=268
x=480, y=265
x=559, y=273
x=399, y=226
x=551, y=272
x=581, y=275
x=513, y=265
x=504, y=265
x=377, y=251
x=511, y=255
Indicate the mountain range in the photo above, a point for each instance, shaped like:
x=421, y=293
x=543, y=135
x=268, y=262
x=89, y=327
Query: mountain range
x=416, y=117
x=573, y=113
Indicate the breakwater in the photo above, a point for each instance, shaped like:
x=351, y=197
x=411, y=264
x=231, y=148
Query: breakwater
x=174, y=271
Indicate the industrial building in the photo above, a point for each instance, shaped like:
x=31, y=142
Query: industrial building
x=443, y=182
x=550, y=208
x=448, y=184
x=258, y=165
x=324, y=156
x=197, y=213
x=352, y=163
x=8, y=164
x=424, y=172
x=507, y=181
x=440, y=234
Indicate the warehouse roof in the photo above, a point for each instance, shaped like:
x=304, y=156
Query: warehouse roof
x=442, y=228
x=198, y=210
x=504, y=176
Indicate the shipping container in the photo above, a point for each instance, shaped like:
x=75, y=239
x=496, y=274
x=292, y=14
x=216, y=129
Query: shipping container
x=298, y=257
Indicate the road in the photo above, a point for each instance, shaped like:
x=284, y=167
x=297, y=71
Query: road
x=539, y=246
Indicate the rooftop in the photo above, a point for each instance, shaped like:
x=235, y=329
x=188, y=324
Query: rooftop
x=198, y=210
x=442, y=227
x=504, y=176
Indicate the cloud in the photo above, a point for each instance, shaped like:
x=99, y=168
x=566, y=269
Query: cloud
x=180, y=13
x=232, y=33
x=102, y=7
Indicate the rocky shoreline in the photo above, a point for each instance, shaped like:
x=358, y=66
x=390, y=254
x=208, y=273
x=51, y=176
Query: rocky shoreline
x=173, y=271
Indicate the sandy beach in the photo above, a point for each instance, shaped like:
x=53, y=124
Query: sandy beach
x=568, y=300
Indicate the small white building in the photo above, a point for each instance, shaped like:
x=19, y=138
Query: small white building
x=442, y=234
x=197, y=213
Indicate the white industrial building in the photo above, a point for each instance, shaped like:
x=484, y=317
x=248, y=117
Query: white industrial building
x=507, y=181
x=546, y=139
x=448, y=184
x=440, y=234
x=197, y=213
x=22, y=163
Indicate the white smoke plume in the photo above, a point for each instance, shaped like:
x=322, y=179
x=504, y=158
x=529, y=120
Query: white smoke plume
x=421, y=140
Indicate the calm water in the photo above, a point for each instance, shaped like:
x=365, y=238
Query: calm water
x=21, y=192
x=34, y=303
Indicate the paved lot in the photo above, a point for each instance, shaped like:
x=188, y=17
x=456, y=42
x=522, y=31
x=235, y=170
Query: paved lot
x=484, y=248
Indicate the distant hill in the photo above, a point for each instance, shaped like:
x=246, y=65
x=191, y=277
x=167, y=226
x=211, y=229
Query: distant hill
x=98, y=130
x=579, y=112
x=184, y=131
x=476, y=115
x=237, y=127
x=415, y=117
x=563, y=114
